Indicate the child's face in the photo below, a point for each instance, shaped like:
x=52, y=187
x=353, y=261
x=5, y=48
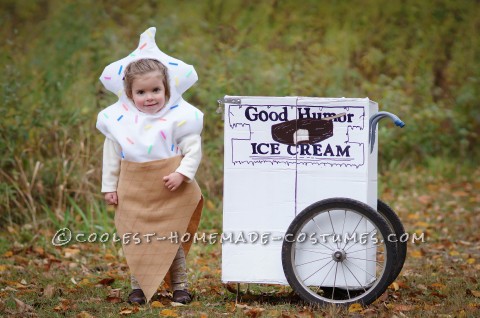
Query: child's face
x=148, y=92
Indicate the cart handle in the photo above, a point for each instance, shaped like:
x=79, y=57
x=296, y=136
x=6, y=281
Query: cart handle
x=374, y=121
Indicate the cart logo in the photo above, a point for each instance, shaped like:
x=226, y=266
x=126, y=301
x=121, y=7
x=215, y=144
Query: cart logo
x=286, y=134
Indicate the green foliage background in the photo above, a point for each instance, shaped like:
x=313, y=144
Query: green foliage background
x=418, y=59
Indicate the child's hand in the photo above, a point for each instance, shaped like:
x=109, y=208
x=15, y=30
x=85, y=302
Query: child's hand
x=111, y=198
x=174, y=180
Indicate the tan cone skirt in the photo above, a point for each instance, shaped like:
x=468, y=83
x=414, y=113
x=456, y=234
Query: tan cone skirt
x=146, y=208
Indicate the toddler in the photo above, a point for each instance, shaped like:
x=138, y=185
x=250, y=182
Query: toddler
x=150, y=156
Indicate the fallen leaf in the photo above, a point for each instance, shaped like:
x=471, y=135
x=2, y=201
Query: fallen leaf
x=70, y=252
x=304, y=314
x=210, y=205
x=157, y=304
x=168, y=313
x=125, y=311
x=115, y=292
x=454, y=253
x=241, y=306
x=175, y=304
x=355, y=307
x=49, y=291
x=114, y=299
x=3, y=268
x=425, y=199
x=84, y=314
x=253, y=312
x=469, y=261
x=22, y=307
x=474, y=293
x=416, y=254
x=106, y=281
x=8, y=254
x=84, y=282
x=438, y=286
x=38, y=250
x=438, y=295
x=110, y=257
x=394, y=286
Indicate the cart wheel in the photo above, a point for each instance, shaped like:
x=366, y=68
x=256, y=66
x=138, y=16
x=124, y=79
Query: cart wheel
x=354, y=268
x=396, y=225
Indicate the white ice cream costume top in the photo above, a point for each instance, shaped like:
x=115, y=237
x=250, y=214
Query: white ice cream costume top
x=146, y=137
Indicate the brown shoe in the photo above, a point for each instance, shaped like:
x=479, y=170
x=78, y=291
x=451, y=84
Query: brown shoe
x=182, y=296
x=137, y=296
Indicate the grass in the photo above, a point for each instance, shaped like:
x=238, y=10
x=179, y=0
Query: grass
x=440, y=277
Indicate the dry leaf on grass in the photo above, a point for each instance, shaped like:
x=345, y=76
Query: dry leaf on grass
x=355, y=308
x=157, y=304
x=128, y=311
x=84, y=314
x=22, y=307
x=49, y=291
x=106, y=281
x=304, y=314
x=168, y=313
x=113, y=299
x=254, y=312
x=474, y=293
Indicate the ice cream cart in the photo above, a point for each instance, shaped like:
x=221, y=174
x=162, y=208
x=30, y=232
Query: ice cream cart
x=300, y=204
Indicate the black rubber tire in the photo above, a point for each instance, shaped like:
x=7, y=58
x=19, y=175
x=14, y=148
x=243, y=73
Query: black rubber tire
x=369, y=293
x=398, y=230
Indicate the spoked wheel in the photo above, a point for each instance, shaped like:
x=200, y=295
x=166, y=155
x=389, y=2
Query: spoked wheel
x=398, y=230
x=337, y=251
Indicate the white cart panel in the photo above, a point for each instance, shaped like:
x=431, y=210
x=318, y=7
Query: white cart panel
x=272, y=174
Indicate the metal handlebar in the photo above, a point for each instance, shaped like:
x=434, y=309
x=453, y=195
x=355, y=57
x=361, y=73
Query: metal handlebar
x=374, y=121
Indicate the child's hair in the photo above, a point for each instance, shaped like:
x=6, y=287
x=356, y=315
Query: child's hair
x=143, y=66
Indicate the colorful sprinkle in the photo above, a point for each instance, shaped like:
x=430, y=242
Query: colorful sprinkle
x=132, y=55
x=149, y=33
x=130, y=140
x=149, y=149
x=174, y=106
x=189, y=73
x=144, y=45
x=148, y=127
x=107, y=77
x=177, y=150
x=181, y=123
x=196, y=115
x=125, y=107
x=123, y=155
x=136, y=119
x=163, y=135
x=120, y=118
x=176, y=81
x=119, y=93
x=106, y=116
x=120, y=70
x=173, y=147
x=171, y=63
x=162, y=119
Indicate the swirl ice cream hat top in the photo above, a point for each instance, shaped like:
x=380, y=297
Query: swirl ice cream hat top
x=181, y=75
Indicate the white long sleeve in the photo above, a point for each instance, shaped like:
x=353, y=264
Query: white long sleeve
x=111, y=165
x=191, y=148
